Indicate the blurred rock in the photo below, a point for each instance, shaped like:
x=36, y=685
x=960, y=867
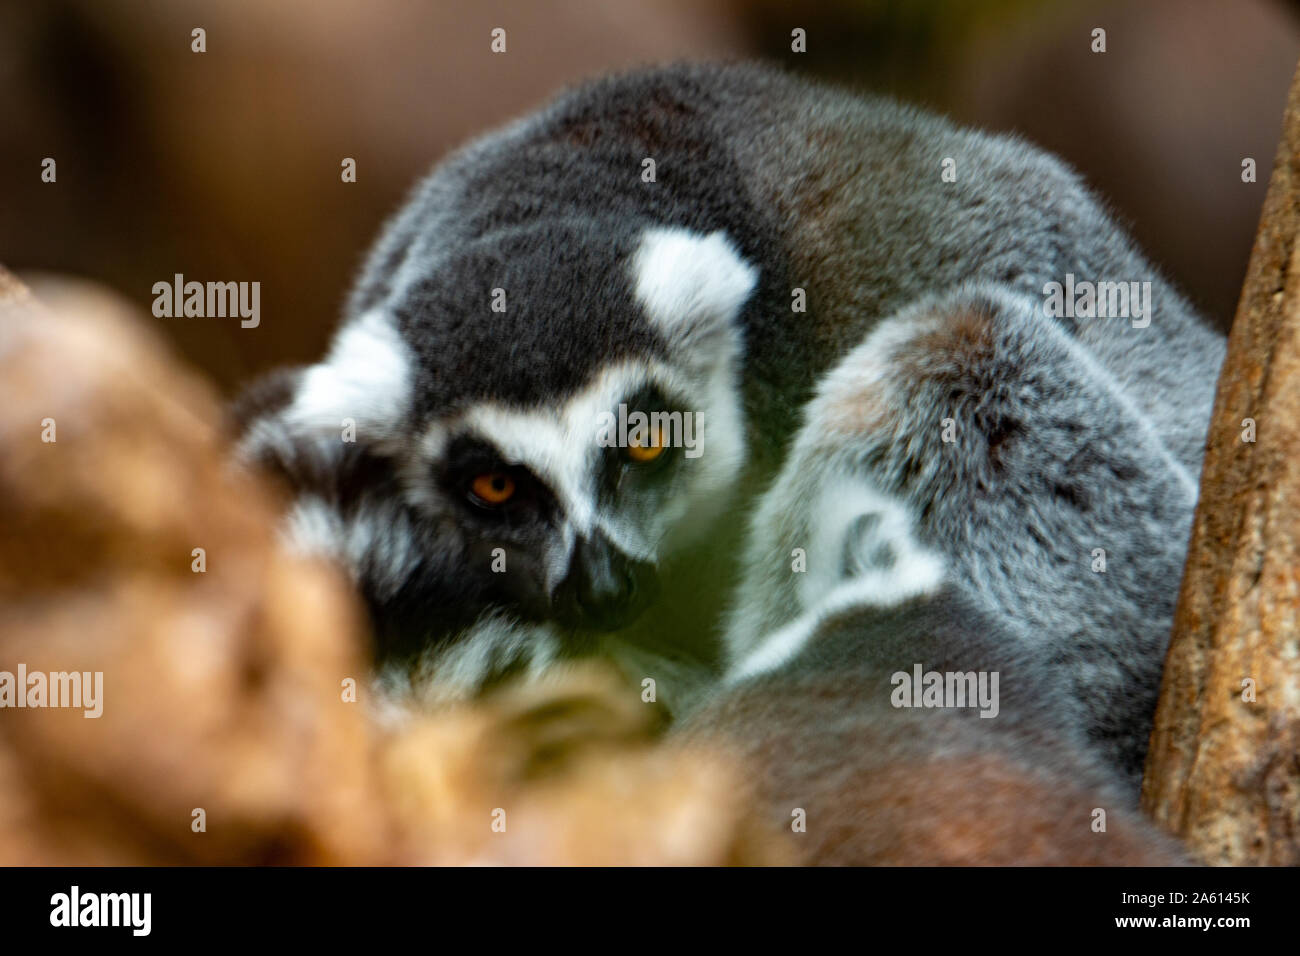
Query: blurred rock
x=1224, y=764
x=566, y=765
x=223, y=689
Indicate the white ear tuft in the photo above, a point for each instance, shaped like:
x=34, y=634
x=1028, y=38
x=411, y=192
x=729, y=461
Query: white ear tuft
x=689, y=283
x=366, y=377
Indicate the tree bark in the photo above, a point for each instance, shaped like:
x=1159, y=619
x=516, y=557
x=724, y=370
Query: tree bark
x=1223, y=770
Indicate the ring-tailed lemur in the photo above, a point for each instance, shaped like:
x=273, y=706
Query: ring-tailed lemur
x=701, y=239
x=1021, y=460
x=966, y=564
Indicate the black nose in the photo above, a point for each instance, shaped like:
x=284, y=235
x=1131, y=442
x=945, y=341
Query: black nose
x=606, y=590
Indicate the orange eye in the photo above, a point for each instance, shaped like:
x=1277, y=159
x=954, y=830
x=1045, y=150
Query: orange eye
x=644, y=453
x=493, y=488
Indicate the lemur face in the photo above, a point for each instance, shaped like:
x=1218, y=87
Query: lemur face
x=528, y=427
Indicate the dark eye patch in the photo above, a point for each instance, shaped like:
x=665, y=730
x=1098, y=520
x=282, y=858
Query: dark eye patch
x=619, y=468
x=468, y=457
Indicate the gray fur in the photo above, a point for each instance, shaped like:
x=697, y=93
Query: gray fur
x=884, y=785
x=812, y=188
x=1052, y=459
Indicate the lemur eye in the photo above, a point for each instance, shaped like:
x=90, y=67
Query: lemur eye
x=493, y=488
x=648, y=451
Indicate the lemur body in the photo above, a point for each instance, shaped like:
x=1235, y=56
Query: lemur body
x=678, y=293
x=1055, y=505
x=819, y=697
x=869, y=783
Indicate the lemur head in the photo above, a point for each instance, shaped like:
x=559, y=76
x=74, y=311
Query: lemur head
x=471, y=443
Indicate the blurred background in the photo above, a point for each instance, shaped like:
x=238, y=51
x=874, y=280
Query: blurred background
x=225, y=165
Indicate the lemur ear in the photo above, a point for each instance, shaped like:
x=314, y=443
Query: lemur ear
x=360, y=393
x=367, y=378
x=691, y=285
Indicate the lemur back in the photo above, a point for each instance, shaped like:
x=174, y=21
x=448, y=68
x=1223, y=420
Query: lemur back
x=972, y=442
x=883, y=554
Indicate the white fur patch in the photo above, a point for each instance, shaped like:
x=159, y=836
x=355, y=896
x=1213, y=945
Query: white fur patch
x=823, y=592
x=459, y=669
x=314, y=529
x=921, y=574
x=840, y=502
x=375, y=542
x=367, y=377
x=687, y=282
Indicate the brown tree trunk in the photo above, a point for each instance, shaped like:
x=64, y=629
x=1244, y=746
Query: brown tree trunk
x=1224, y=766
